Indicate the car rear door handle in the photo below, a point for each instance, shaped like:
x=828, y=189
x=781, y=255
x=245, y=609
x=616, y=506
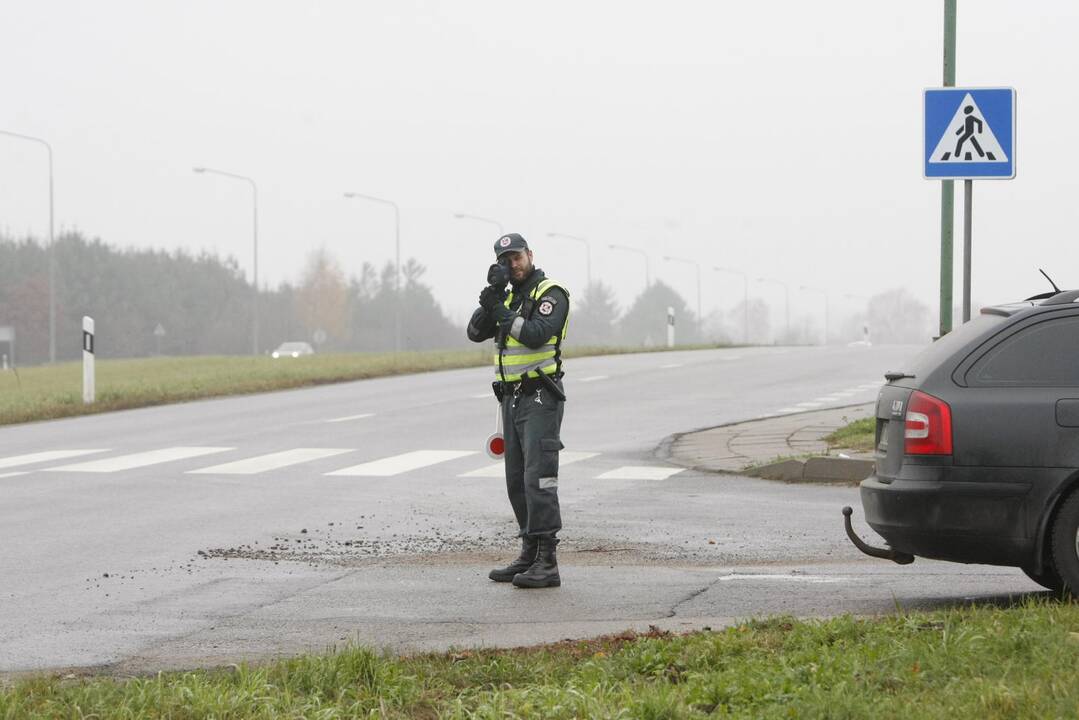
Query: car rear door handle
x=1068, y=412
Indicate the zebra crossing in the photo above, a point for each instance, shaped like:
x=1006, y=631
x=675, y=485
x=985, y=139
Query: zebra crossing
x=461, y=463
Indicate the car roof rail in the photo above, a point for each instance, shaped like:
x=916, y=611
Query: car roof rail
x=1063, y=298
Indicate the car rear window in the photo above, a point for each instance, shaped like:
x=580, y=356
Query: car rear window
x=1040, y=355
x=941, y=350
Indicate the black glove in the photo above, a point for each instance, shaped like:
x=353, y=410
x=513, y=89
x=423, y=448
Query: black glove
x=491, y=297
x=502, y=314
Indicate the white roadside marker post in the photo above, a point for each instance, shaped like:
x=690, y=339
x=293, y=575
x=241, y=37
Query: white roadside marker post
x=87, y=360
x=670, y=327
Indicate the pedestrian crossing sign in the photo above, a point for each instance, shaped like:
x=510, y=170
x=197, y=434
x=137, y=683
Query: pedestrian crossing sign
x=969, y=133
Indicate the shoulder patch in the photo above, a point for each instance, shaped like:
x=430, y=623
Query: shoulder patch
x=546, y=305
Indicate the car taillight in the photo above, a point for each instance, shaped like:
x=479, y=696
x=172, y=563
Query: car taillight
x=928, y=428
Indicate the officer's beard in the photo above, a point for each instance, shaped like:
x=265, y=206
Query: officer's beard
x=524, y=277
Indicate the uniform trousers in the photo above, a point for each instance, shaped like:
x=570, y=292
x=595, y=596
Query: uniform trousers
x=531, y=424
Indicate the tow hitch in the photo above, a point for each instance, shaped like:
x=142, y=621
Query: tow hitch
x=900, y=558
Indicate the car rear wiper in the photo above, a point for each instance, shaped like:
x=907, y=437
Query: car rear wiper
x=893, y=375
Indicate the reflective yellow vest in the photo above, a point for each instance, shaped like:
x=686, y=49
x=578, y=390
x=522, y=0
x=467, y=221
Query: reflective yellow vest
x=516, y=360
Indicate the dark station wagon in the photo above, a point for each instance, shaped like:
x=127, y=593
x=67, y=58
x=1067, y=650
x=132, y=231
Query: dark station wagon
x=977, y=457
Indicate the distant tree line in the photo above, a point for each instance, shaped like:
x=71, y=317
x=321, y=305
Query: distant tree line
x=203, y=304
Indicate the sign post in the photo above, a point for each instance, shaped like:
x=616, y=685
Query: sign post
x=87, y=360
x=670, y=327
x=969, y=134
x=7, y=336
x=947, y=189
x=159, y=332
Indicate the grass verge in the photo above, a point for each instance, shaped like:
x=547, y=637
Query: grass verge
x=55, y=391
x=985, y=662
x=859, y=435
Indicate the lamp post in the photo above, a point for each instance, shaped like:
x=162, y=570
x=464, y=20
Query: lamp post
x=255, y=228
x=823, y=293
x=697, y=265
x=397, y=261
x=787, y=305
x=745, y=299
x=52, y=244
x=647, y=262
x=478, y=218
x=587, y=253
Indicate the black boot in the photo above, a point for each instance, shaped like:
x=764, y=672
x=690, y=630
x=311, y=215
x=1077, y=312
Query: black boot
x=529, y=545
x=544, y=572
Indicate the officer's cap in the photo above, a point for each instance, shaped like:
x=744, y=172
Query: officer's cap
x=510, y=242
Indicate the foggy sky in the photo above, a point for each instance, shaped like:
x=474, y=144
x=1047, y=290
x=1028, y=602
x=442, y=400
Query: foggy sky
x=780, y=138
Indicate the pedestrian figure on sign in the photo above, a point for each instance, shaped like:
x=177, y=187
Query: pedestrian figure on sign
x=967, y=133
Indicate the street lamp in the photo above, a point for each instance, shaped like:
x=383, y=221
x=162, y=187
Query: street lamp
x=587, y=253
x=52, y=248
x=477, y=218
x=825, y=294
x=850, y=296
x=787, y=293
x=696, y=264
x=255, y=227
x=397, y=262
x=647, y=262
x=745, y=299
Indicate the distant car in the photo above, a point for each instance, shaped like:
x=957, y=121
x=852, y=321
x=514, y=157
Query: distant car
x=977, y=457
x=292, y=349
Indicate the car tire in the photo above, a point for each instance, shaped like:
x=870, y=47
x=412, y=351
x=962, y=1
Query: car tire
x=1048, y=578
x=1065, y=544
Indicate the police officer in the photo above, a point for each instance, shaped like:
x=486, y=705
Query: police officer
x=528, y=325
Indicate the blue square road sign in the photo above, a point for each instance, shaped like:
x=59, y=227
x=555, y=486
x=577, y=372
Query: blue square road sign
x=969, y=133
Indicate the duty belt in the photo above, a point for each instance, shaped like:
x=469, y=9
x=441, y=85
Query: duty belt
x=527, y=386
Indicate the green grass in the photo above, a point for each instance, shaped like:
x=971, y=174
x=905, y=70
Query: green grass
x=55, y=391
x=859, y=435
x=987, y=662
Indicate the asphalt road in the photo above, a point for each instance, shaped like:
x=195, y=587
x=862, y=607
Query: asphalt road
x=253, y=527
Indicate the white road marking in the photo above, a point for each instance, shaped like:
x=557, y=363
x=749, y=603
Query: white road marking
x=791, y=578
x=482, y=396
x=640, y=472
x=397, y=464
x=808, y=404
x=730, y=357
x=671, y=365
x=592, y=378
x=347, y=418
x=13, y=474
x=788, y=410
x=828, y=398
x=136, y=460
x=47, y=456
x=498, y=469
x=272, y=461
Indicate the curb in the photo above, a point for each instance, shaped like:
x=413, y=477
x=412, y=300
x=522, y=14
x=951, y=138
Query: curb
x=824, y=469
x=816, y=469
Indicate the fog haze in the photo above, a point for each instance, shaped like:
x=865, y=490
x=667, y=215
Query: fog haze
x=782, y=139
